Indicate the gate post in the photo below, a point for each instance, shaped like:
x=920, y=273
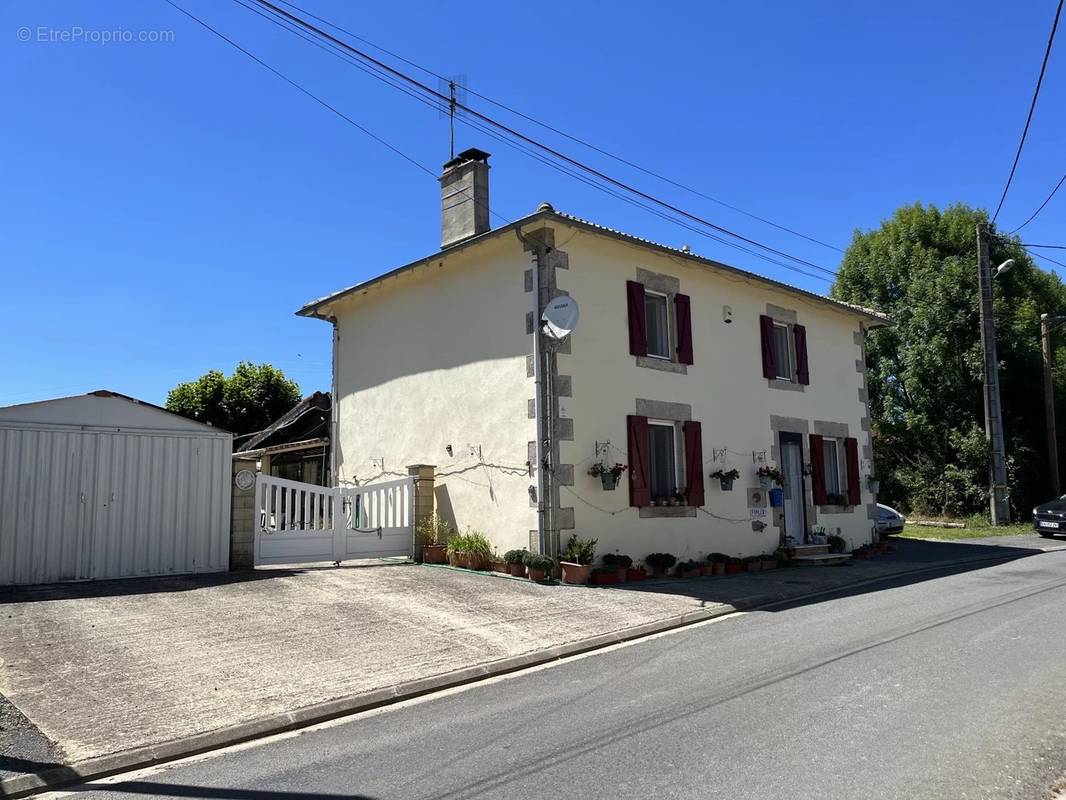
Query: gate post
x=242, y=518
x=422, y=475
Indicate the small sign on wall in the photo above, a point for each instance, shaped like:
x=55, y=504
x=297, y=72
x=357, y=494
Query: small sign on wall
x=759, y=513
x=564, y=408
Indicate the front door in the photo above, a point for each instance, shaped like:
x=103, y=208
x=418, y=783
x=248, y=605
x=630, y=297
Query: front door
x=792, y=468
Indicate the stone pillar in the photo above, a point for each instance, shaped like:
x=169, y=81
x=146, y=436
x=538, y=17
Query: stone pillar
x=242, y=519
x=423, y=475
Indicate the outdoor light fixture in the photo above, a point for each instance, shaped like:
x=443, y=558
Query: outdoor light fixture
x=1004, y=267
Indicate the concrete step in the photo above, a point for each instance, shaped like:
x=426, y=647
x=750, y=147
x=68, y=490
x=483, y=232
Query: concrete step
x=811, y=549
x=822, y=559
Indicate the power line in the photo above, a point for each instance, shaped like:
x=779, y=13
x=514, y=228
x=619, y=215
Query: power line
x=1046, y=246
x=1041, y=208
x=1032, y=107
x=1046, y=258
x=564, y=134
x=535, y=143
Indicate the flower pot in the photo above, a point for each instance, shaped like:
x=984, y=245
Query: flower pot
x=658, y=572
x=706, y=570
x=635, y=574
x=605, y=578
x=609, y=481
x=727, y=485
x=434, y=553
x=537, y=575
x=575, y=573
x=501, y=567
x=693, y=572
x=718, y=568
x=754, y=566
x=455, y=559
x=733, y=569
x=777, y=497
x=474, y=561
x=769, y=563
x=517, y=570
x=765, y=483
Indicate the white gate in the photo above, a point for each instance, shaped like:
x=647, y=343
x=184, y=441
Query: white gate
x=297, y=523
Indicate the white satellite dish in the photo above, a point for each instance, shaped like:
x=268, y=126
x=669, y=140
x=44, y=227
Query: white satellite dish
x=560, y=317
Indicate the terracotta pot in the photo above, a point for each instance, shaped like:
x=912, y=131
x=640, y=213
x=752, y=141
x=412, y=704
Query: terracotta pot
x=718, y=568
x=753, y=566
x=705, y=570
x=622, y=574
x=769, y=563
x=455, y=559
x=500, y=566
x=605, y=578
x=635, y=574
x=658, y=572
x=536, y=574
x=575, y=573
x=688, y=573
x=733, y=569
x=517, y=570
x=435, y=553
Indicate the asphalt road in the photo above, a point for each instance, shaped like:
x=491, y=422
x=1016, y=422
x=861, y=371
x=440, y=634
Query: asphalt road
x=946, y=688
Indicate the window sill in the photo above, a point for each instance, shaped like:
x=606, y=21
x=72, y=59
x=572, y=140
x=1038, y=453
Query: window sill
x=836, y=509
x=658, y=512
x=662, y=364
x=787, y=386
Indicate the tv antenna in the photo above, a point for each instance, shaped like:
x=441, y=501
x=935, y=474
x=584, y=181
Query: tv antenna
x=455, y=87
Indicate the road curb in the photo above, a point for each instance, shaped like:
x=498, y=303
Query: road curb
x=139, y=758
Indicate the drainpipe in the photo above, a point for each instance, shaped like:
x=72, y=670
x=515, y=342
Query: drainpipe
x=334, y=414
x=538, y=405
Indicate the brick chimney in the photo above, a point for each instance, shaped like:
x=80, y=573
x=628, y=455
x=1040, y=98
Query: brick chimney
x=464, y=197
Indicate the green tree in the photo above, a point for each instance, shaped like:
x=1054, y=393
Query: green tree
x=248, y=400
x=925, y=372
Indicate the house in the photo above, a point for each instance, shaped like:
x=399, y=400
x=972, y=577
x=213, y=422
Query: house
x=680, y=366
x=103, y=485
x=296, y=445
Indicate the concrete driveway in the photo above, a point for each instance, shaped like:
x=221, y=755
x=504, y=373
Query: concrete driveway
x=106, y=667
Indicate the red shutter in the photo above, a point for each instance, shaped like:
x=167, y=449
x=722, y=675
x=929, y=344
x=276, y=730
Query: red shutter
x=639, y=461
x=693, y=462
x=799, y=333
x=851, y=456
x=684, y=329
x=638, y=324
x=817, y=470
x=769, y=363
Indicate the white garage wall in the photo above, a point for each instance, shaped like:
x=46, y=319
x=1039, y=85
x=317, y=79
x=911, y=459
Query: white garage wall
x=85, y=504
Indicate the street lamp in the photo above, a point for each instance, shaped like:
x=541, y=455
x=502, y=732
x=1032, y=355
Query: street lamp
x=997, y=468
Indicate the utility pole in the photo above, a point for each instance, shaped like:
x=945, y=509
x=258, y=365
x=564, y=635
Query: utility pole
x=997, y=472
x=1049, y=403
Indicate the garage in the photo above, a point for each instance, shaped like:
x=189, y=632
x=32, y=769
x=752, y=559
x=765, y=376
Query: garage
x=106, y=486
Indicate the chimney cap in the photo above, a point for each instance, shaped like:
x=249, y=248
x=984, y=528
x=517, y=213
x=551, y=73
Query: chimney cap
x=470, y=154
x=545, y=206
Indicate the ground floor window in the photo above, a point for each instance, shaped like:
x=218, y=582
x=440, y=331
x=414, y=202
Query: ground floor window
x=830, y=453
x=663, y=452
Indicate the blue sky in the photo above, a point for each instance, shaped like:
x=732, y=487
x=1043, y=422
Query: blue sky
x=169, y=205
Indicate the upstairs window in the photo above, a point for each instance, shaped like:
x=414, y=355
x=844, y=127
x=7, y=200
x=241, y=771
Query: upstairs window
x=782, y=352
x=657, y=314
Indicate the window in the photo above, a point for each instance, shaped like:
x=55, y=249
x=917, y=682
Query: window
x=832, y=467
x=657, y=314
x=783, y=352
x=663, y=458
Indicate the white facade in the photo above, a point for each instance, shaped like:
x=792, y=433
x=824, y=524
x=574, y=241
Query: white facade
x=433, y=366
x=103, y=486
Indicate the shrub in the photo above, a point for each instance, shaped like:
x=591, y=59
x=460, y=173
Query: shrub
x=617, y=560
x=580, y=551
x=515, y=556
x=538, y=561
x=751, y=559
x=837, y=544
x=688, y=566
x=472, y=542
x=718, y=558
x=433, y=529
x=660, y=560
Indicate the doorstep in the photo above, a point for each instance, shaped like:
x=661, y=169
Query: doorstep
x=822, y=559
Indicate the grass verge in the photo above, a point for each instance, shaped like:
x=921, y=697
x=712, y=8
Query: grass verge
x=971, y=531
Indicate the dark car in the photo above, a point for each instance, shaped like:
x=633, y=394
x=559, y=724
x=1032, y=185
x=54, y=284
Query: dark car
x=1050, y=518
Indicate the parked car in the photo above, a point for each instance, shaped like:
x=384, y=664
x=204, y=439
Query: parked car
x=889, y=520
x=1050, y=518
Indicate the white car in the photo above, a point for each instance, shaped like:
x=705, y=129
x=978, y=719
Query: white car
x=889, y=520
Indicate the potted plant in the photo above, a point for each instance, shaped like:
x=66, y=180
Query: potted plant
x=577, y=558
x=680, y=497
x=608, y=475
x=432, y=531
x=769, y=561
x=620, y=562
x=718, y=562
x=497, y=563
x=769, y=475
x=688, y=569
x=726, y=478
x=605, y=575
x=636, y=573
x=539, y=567
x=471, y=550
x=752, y=563
x=784, y=555
x=733, y=565
x=660, y=563
x=837, y=544
x=516, y=562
